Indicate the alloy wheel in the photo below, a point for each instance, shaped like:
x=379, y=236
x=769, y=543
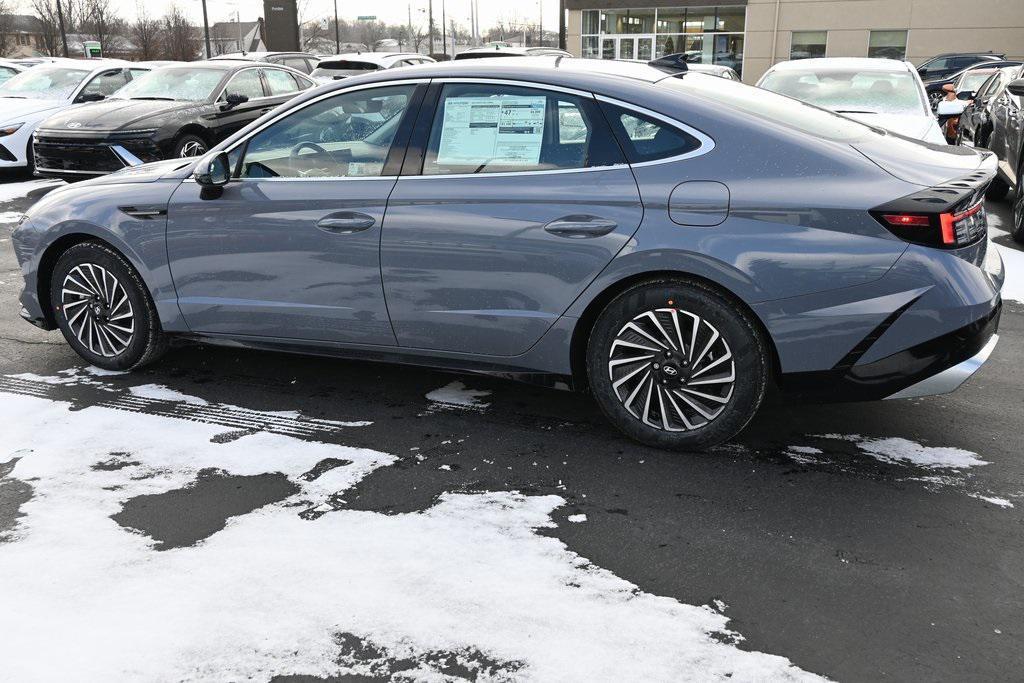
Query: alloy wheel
x=192, y=148
x=672, y=369
x=98, y=310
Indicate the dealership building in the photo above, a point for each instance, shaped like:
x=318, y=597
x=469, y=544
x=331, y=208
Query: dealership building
x=751, y=35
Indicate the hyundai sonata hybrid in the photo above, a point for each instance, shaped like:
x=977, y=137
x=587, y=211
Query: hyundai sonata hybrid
x=674, y=245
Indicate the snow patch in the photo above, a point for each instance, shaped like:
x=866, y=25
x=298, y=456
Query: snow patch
x=576, y=519
x=159, y=392
x=102, y=372
x=1001, y=502
x=271, y=592
x=456, y=395
x=10, y=217
x=901, y=451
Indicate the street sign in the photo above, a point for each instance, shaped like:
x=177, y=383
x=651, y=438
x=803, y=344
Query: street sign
x=368, y=17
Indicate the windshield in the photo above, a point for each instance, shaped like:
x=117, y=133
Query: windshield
x=854, y=92
x=767, y=105
x=44, y=83
x=185, y=83
x=973, y=81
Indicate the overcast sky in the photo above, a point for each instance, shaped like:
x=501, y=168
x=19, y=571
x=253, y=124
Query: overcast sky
x=390, y=11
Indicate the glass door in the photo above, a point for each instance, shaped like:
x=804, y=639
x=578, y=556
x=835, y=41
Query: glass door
x=627, y=48
x=607, y=48
x=645, y=48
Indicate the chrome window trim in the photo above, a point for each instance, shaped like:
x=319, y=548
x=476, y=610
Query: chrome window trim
x=707, y=143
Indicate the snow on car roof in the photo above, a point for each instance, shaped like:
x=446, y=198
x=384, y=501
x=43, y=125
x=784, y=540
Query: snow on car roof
x=842, y=64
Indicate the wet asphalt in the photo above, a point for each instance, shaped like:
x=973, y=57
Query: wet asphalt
x=851, y=567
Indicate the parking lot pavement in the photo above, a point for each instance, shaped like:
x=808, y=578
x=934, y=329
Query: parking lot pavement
x=229, y=514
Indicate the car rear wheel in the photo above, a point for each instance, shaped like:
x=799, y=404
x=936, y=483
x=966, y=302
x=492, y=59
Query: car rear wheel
x=675, y=364
x=103, y=309
x=190, y=146
x=1017, y=230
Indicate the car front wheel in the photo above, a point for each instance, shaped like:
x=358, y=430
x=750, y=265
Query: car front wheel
x=675, y=364
x=103, y=309
x=190, y=146
x=1017, y=230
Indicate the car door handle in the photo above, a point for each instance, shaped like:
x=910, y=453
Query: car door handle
x=580, y=227
x=346, y=222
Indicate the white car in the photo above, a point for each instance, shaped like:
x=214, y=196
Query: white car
x=9, y=70
x=37, y=93
x=335, y=67
x=885, y=93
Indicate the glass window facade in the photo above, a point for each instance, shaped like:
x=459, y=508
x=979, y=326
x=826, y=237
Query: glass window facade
x=890, y=44
x=808, y=44
x=707, y=35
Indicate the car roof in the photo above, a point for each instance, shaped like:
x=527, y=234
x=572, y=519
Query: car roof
x=257, y=56
x=514, y=50
x=552, y=70
x=378, y=57
x=842, y=64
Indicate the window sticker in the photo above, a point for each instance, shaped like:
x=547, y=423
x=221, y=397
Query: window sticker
x=506, y=130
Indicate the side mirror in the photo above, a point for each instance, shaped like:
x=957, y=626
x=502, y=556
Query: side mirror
x=213, y=171
x=233, y=100
x=965, y=95
x=923, y=73
x=91, y=97
x=1016, y=87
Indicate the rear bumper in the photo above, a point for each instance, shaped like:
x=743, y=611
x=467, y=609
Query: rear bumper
x=937, y=366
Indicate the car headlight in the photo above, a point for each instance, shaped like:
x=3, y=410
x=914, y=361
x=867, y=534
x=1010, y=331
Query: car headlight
x=10, y=129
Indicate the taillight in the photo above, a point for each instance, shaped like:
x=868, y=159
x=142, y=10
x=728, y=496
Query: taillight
x=945, y=229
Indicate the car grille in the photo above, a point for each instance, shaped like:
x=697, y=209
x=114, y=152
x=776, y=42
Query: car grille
x=74, y=156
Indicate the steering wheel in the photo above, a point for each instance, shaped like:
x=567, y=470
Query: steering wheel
x=300, y=163
x=296, y=151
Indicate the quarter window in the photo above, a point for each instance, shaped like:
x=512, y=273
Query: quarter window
x=245, y=83
x=494, y=129
x=644, y=138
x=346, y=136
x=297, y=63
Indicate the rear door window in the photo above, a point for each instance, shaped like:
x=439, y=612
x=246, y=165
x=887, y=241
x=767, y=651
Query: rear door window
x=106, y=83
x=297, y=63
x=245, y=83
x=489, y=128
x=280, y=82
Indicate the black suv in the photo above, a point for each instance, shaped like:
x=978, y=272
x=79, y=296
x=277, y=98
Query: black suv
x=1007, y=141
x=945, y=65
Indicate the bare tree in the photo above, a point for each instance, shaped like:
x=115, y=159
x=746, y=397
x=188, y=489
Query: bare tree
x=372, y=31
x=46, y=12
x=145, y=32
x=180, y=42
x=100, y=22
x=5, y=26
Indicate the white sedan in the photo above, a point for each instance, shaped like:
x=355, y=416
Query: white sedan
x=885, y=93
x=37, y=93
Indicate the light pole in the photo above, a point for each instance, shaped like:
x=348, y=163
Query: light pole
x=337, y=34
x=540, y=7
x=206, y=30
x=63, y=35
x=430, y=25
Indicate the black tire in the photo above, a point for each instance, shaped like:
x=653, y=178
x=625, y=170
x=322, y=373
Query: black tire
x=740, y=351
x=189, y=145
x=30, y=159
x=109, y=280
x=997, y=190
x=1017, y=229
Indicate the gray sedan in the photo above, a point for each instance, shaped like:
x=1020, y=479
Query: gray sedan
x=674, y=245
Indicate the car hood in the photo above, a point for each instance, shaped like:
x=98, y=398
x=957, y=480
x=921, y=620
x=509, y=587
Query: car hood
x=115, y=114
x=14, y=109
x=923, y=163
x=916, y=126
